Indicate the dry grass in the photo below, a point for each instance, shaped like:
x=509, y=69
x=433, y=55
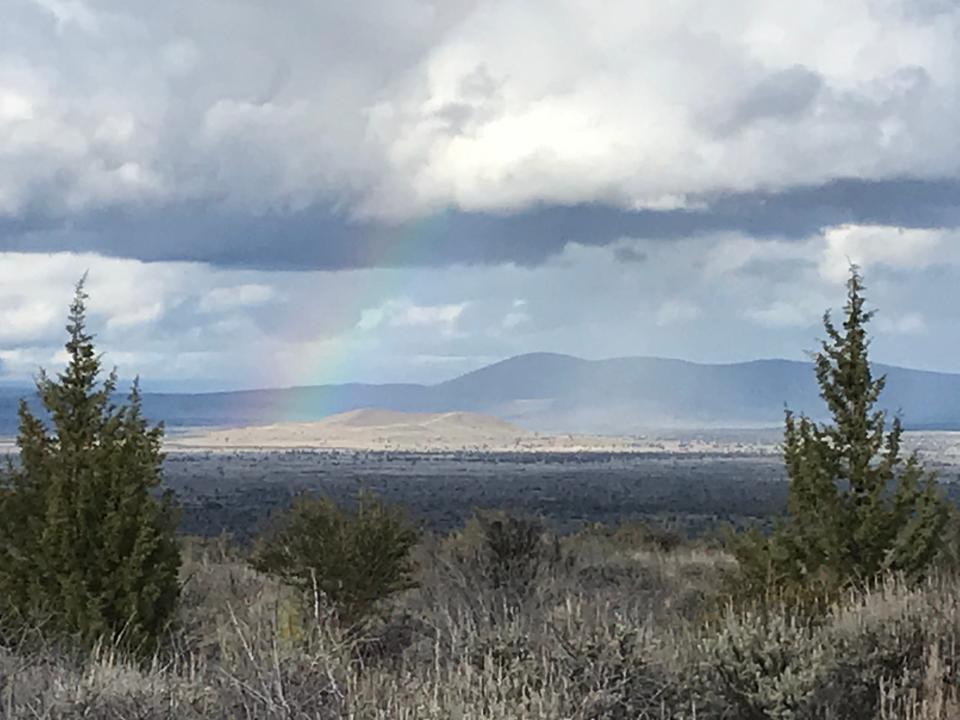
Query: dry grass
x=612, y=631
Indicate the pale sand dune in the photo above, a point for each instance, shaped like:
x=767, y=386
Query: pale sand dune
x=375, y=429
x=369, y=429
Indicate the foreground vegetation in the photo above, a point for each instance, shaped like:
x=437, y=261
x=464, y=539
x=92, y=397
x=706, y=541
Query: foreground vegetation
x=850, y=608
x=612, y=627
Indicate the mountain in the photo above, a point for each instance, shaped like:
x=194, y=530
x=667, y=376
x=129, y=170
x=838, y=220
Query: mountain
x=559, y=393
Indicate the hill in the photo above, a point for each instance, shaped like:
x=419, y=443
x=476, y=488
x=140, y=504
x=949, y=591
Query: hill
x=373, y=429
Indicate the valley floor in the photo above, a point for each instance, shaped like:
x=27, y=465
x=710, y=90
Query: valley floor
x=695, y=490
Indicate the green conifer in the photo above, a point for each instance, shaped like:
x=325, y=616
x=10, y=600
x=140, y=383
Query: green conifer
x=87, y=548
x=856, y=507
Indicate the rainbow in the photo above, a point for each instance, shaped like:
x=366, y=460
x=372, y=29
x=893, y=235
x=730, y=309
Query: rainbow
x=386, y=271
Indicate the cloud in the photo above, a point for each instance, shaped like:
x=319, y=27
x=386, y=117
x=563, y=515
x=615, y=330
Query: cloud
x=785, y=94
x=877, y=245
x=323, y=238
x=402, y=313
x=26, y=320
x=139, y=316
x=672, y=312
x=515, y=319
x=239, y=296
x=909, y=324
x=715, y=297
x=785, y=314
x=436, y=315
x=324, y=136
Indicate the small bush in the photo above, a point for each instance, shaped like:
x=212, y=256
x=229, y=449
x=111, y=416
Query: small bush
x=885, y=652
x=515, y=548
x=617, y=671
x=763, y=665
x=882, y=644
x=658, y=534
x=507, y=553
x=353, y=559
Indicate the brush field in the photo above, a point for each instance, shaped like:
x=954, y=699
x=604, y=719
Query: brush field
x=617, y=627
x=627, y=618
x=696, y=482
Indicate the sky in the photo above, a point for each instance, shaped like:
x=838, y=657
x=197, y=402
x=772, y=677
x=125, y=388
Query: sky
x=274, y=194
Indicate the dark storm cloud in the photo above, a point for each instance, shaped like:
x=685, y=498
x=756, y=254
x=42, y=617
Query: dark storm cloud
x=323, y=238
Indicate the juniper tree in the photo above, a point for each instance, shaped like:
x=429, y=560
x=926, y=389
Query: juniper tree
x=856, y=506
x=87, y=548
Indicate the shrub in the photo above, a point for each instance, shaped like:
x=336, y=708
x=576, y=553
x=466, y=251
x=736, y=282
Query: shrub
x=509, y=553
x=658, y=534
x=882, y=643
x=514, y=549
x=877, y=652
x=763, y=665
x=352, y=558
x=887, y=652
x=617, y=671
x=86, y=547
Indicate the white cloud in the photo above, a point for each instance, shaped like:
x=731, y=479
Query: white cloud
x=402, y=312
x=24, y=361
x=395, y=107
x=27, y=320
x=15, y=107
x=137, y=316
x=648, y=105
x=431, y=315
x=868, y=245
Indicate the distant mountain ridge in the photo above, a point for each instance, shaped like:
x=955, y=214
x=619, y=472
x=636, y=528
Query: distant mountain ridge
x=561, y=393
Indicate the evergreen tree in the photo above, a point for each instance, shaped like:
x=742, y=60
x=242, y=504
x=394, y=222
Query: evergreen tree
x=86, y=546
x=856, y=507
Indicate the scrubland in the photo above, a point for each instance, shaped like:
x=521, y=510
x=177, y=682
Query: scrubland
x=631, y=623
x=848, y=608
